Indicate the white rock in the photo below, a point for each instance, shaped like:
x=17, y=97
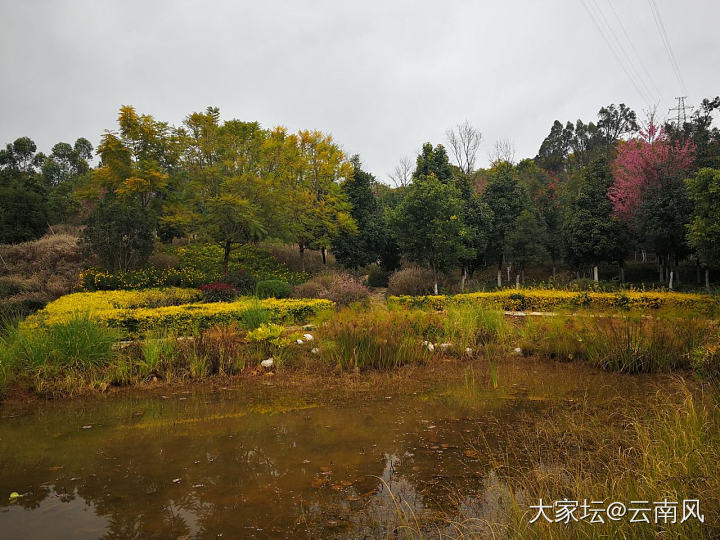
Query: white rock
x=308, y=337
x=445, y=346
x=517, y=350
x=315, y=350
x=267, y=364
x=468, y=351
x=430, y=347
x=300, y=341
x=425, y=343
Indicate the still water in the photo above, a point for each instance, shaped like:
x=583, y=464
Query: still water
x=260, y=460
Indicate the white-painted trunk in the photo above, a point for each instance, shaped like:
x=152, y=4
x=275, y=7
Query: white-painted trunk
x=707, y=279
x=517, y=281
x=499, y=278
x=596, y=276
x=670, y=285
x=435, y=288
x=462, y=280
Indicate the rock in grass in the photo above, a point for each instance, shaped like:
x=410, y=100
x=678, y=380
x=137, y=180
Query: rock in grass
x=300, y=341
x=267, y=364
x=430, y=347
x=315, y=350
x=308, y=337
x=517, y=350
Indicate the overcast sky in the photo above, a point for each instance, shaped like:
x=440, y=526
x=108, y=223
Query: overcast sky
x=382, y=77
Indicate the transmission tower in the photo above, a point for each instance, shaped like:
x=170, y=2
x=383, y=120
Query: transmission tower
x=681, y=111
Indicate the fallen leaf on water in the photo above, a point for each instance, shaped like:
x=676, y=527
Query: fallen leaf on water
x=325, y=469
x=472, y=453
x=14, y=495
x=177, y=480
x=56, y=468
x=198, y=485
x=353, y=498
x=337, y=487
x=87, y=427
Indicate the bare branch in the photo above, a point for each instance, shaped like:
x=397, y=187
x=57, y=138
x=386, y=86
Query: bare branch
x=504, y=151
x=402, y=173
x=464, y=141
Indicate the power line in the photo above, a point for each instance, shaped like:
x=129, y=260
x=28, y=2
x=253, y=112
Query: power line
x=615, y=53
x=631, y=65
x=666, y=42
x=656, y=88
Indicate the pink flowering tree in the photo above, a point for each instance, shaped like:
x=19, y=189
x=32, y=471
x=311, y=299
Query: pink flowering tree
x=643, y=162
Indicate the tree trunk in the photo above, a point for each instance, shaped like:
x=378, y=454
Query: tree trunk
x=698, y=278
x=302, y=256
x=226, y=257
x=670, y=285
x=622, y=274
x=517, y=281
x=499, y=278
x=324, y=258
x=508, y=272
x=660, y=271
x=596, y=276
x=462, y=279
x=707, y=279
x=435, y=281
x=554, y=271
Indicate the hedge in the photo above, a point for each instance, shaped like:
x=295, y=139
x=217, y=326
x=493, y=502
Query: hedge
x=549, y=300
x=138, y=312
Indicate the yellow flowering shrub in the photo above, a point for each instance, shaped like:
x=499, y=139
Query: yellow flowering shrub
x=176, y=310
x=549, y=300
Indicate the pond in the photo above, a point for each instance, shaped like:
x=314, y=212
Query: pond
x=260, y=459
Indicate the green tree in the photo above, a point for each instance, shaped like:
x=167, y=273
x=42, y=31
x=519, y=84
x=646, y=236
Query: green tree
x=371, y=241
x=506, y=197
x=429, y=225
x=591, y=233
x=703, y=231
x=23, y=195
x=526, y=242
x=120, y=234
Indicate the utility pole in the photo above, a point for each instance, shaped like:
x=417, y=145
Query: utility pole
x=681, y=111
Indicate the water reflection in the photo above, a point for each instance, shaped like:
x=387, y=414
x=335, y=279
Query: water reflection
x=206, y=465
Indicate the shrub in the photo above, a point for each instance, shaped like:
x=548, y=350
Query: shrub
x=705, y=362
x=114, y=309
x=343, y=289
x=18, y=309
x=242, y=281
x=550, y=300
x=10, y=286
x=412, y=281
x=558, y=338
x=377, y=277
x=272, y=288
x=222, y=348
x=254, y=316
x=218, y=292
x=163, y=261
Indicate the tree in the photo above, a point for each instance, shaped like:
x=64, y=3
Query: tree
x=433, y=161
x=591, y=233
x=429, y=225
x=228, y=197
x=648, y=193
x=506, y=198
x=614, y=122
x=23, y=196
x=526, y=241
x=703, y=231
x=120, y=234
x=369, y=243
x=503, y=151
x=478, y=219
x=464, y=141
x=320, y=207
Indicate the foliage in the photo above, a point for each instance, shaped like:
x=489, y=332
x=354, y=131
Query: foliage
x=121, y=235
x=139, y=312
x=410, y=281
x=549, y=300
x=645, y=161
x=272, y=288
x=474, y=326
x=218, y=292
x=377, y=277
x=429, y=225
x=590, y=232
x=704, y=228
x=343, y=289
x=370, y=242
